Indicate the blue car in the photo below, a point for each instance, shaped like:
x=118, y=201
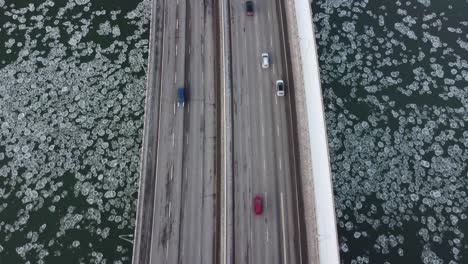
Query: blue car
x=180, y=97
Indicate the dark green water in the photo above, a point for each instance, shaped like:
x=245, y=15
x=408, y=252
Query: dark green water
x=72, y=84
x=395, y=82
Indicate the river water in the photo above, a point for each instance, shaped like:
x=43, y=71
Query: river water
x=72, y=86
x=395, y=81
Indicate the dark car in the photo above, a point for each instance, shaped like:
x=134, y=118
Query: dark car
x=258, y=205
x=279, y=88
x=249, y=8
x=180, y=97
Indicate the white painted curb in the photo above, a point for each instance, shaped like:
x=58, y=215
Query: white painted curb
x=321, y=170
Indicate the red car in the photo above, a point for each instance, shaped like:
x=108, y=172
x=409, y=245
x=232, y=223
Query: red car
x=258, y=204
x=249, y=8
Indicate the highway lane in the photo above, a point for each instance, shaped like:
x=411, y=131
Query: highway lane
x=168, y=168
x=198, y=180
x=142, y=236
x=183, y=218
x=183, y=212
x=263, y=160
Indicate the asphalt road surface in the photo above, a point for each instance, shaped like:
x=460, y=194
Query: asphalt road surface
x=264, y=161
x=178, y=210
x=183, y=226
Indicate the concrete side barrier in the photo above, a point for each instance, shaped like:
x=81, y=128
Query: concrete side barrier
x=322, y=237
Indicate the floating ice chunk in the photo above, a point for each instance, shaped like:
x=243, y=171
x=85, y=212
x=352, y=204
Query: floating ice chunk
x=28, y=175
x=364, y=125
x=116, y=31
x=109, y=194
x=381, y=21
x=348, y=26
x=430, y=257
x=403, y=29
x=131, y=15
x=113, y=163
x=81, y=2
x=357, y=234
x=25, y=149
x=438, y=70
x=371, y=88
x=358, y=205
x=104, y=29
x=453, y=219
x=73, y=41
x=10, y=43
x=425, y=3
x=344, y=247
x=425, y=163
x=435, y=194
x=431, y=224
x=436, y=43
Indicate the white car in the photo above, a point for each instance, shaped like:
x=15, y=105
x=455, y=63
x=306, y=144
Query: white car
x=279, y=88
x=265, y=60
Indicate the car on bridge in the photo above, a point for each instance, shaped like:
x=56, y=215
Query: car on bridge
x=279, y=88
x=265, y=60
x=249, y=8
x=180, y=97
x=258, y=207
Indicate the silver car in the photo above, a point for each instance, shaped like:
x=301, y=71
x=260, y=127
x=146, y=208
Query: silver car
x=279, y=88
x=265, y=60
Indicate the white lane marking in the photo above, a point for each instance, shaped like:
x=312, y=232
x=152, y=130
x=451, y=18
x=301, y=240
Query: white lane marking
x=281, y=163
x=176, y=49
x=285, y=259
x=263, y=130
x=167, y=249
x=170, y=206
x=175, y=77
x=185, y=172
x=186, y=139
x=172, y=139
x=267, y=236
x=276, y=99
x=277, y=130
x=174, y=108
x=264, y=164
x=177, y=24
x=172, y=171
